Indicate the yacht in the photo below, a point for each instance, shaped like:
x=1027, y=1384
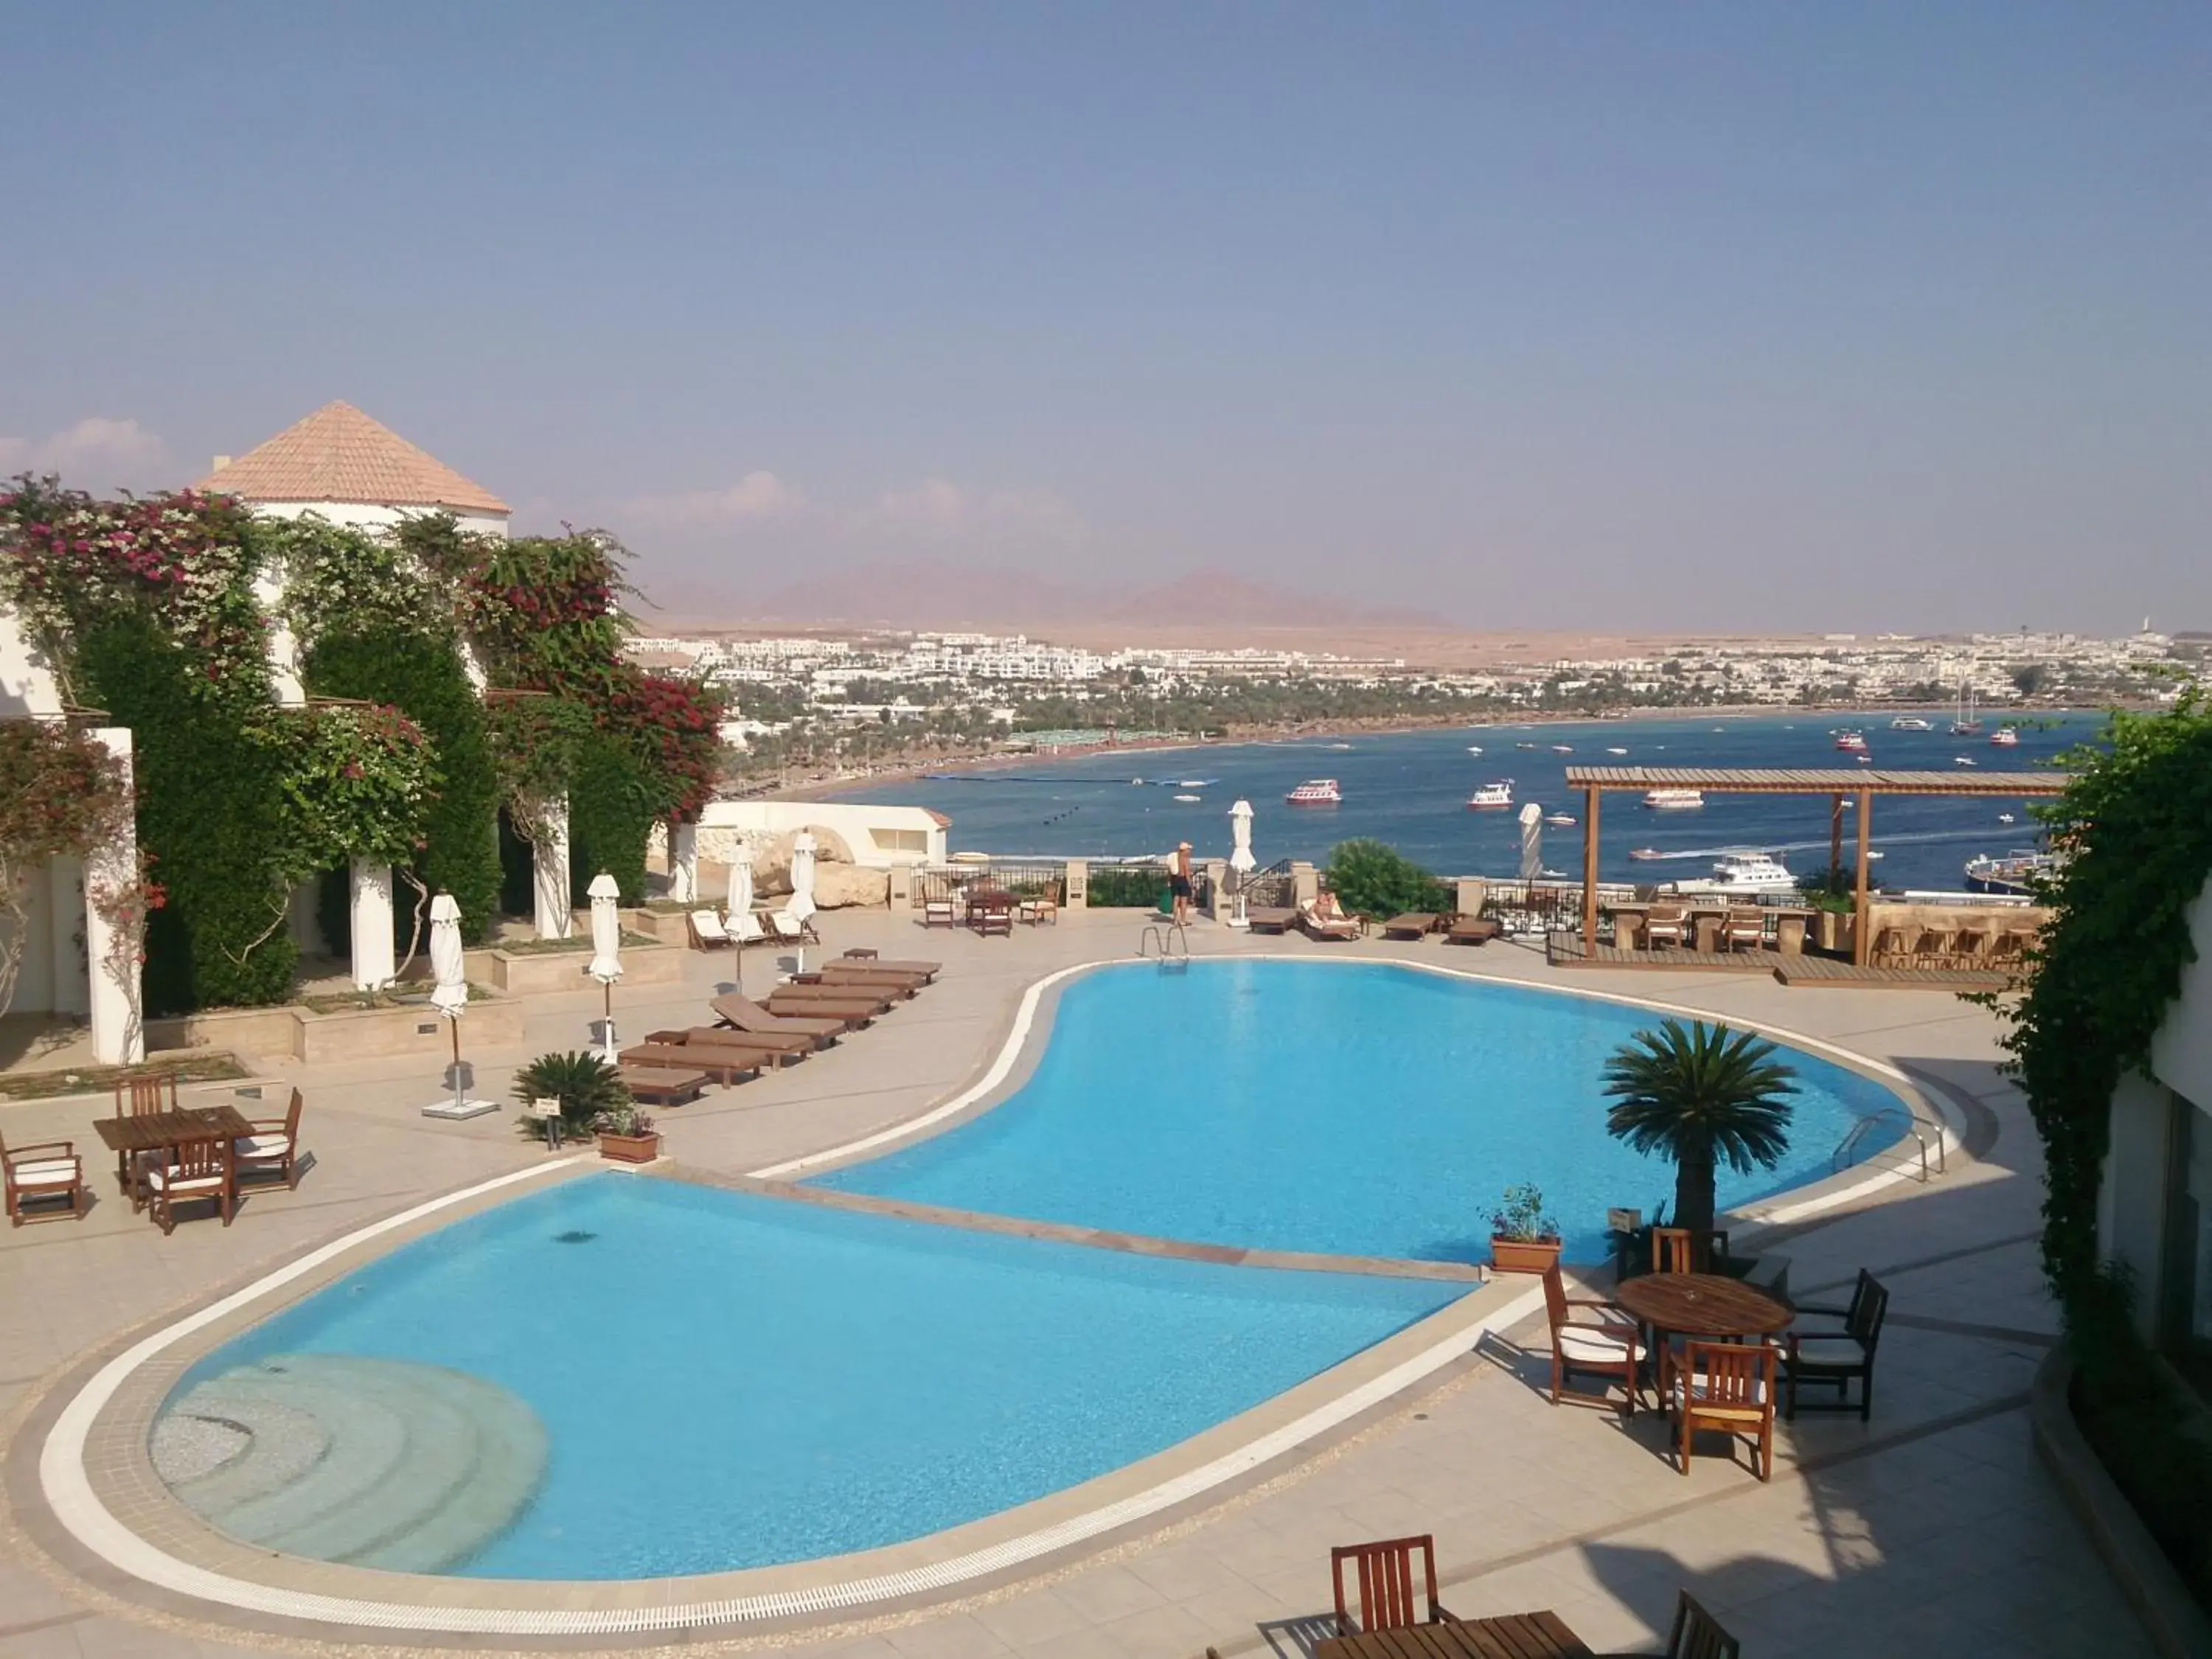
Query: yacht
x=1964, y=721
x=2013, y=875
x=1674, y=800
x=1851, y=742
x=1616, y=751
x=2005, y=738
x=1315, y=791
x=1560, y=820
x=1563, y=748
x=1475, y=749
x=1186, y=797
x=1964, y=760
x=1492, y=796
x=1743, y=872
x=1911, y=723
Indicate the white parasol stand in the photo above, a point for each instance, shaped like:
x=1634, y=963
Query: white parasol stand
x=1532, y=841
x=606, y=952
x=449, y=997
x=738, y=909
x=802, y=884
x=1241, y=861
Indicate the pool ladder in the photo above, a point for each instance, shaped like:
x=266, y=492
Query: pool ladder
x=1914, y=1125
x=1170, y=941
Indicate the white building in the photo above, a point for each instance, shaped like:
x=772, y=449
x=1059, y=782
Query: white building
x=352, y=470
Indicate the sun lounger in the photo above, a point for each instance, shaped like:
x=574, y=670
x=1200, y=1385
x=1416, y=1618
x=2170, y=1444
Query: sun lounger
x=785, y=928
x=744, y=1014
x=1268, y=919
x=888, y=982
x=873, y=998
x=746, y=928
x=855, y=1012
x=1471, y=930
x=664, y=1086
x=724, y=1066
x=1414, y=924
x=1328, y=928
x=929, y=970
x=707, y=931
x=780, y=1049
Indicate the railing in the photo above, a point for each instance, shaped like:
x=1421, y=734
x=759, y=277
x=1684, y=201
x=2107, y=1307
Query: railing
x=1167, y=940
x=1023, y=878
x=1919, y=1128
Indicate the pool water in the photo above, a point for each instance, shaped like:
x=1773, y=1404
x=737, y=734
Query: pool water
x=1350, y=1108
x=728, y=1380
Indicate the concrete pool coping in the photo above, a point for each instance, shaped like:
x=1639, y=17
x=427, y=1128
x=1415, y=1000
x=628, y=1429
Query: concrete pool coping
x=92, y=1467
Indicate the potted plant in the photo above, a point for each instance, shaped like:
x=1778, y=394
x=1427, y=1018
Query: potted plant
x=1522, y=1238
x=627, y=1135
x=589, y=1092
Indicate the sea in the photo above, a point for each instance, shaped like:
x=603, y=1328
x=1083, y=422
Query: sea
x=1410, y=789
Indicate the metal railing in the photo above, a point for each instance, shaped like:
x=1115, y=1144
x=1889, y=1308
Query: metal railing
x=1023, y=878
x=1912, y=1123
x=1167, y=941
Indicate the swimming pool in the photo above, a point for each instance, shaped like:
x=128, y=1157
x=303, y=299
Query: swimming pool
x=1357, y=1108
x=709, y=1380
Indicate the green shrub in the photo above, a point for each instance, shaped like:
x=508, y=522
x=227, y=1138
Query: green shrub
x=1370, y=878
x=612, y=808
x=585, y=1085
x=1132, y=885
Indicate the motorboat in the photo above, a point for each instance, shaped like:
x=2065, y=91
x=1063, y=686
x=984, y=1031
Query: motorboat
x=1674, y=800
x=1911, y=723
x=1864, y=759
x=1186, y=798
x=1524, y=745
x=1492, y=797
x=2005, y=817
x=1743, y=872
x=2013, y=875
x=1475, y=749
x=1616, y=751
x=1563, y=748
x=2005, y=737
x=1645, y=854
x=1964, y=760
x=1315, y=791
x=1560, y=820
x=1851, y=742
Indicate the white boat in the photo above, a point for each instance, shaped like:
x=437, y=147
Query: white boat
x=1646, y=853
x=1524, y=745
x=1560, y=820
x=1964, y=721
x=1964, y=760
x=1475, y=749
x=1616, y=751
x=1563, y=748
x=1851, y=742
x=2011, y=876
x=1339, y=745
x=2005, y=817
x=1743, y=872
x=1186, y=798
x=1674, y=800
x=1911, y=723
x=2005, y=738
x=1492, y=796
x=1315, y=791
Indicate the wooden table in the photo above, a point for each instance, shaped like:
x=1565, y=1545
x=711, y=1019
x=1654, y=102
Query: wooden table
x=157, y=1132
x=1516, y=1636
x=1702, y=1305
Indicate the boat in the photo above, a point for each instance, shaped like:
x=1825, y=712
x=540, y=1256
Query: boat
x=2005, y=817
x=1616, y=751
x=1646, y=853
x=1964, y=760
x=1563, y=748
x=1186, y=798
x=1964, y=723
x=1492, y=796
x=1851, y=742
x=1743, y=872
x=2013, y=875
x=1524, y=745
x=1339, y=745
x=1674, y=800
x=2005, y=737
x=1560, y=820
x=1864, y=759
x=1475, y=749
x=1315, y=791
x=1911, y=723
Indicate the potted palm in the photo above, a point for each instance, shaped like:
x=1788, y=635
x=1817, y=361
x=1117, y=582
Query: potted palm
x=1697, y=1095
x=1522, y=1238
x=593, y=1100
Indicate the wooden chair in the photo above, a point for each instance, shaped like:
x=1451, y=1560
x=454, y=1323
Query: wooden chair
x=197, y=1170
x=1728, y=1387
x=1743, y=930
x=1890, y=949
x=272, y=1145
x=1667, y=924
x=1042, y=908
x=1604, y=1347
x=785, y=928
x=745, y=928
x=1969, y=948
x=146, y=1095
x=1836, y=1357
x=1931, y=947
x=45, y=1172
x=1386, y=1583
x=1678, y=1250
x=1698, y=1635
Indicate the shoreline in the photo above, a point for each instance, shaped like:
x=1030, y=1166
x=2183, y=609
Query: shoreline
x=836, y=787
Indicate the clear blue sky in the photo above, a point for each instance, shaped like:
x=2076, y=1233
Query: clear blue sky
x=1756, y=315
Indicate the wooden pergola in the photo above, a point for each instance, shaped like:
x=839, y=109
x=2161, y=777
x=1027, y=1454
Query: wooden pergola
x=1861, y=784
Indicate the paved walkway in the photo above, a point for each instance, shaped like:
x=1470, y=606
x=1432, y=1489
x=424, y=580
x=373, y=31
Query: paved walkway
x=1931, y=1530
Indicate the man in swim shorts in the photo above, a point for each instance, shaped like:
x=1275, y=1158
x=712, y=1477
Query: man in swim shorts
x=1179, y=884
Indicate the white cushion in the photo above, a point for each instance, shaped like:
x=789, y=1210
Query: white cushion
x=1827, y=1349
x=1592, y=1347
x=744, y=924
x=709, y=924
x=262, y=1145
x=46, y=1172
x=169, y=1181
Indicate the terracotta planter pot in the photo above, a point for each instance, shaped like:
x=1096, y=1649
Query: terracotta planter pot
x=1514, y=1256
x=630, y=1149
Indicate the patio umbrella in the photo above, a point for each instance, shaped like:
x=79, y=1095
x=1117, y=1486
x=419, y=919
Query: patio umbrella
x=1532, y=841
x=449, y=995
x=1241, y=861
x=606, y=951
x=802, y=884
x=740, y=900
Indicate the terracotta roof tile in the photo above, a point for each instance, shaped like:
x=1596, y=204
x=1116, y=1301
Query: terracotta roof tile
x=338, y=454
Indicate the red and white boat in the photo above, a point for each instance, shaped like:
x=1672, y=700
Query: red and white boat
x=1492, y=797
x=2005, y=738
x=1316, y=792
x=1852, y=742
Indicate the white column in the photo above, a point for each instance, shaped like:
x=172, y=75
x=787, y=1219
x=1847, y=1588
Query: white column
x=283, y=649
x=115, y=926
x=548, y=873
x=69, y=976
x=683, y=863
x=373, y=959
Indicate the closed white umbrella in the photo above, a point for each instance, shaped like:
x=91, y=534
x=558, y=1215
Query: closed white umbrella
x=449, y=995
x=1241, y=861
x=740, y=901
x=802, y=884
x=606, y=951
x=1532, y=841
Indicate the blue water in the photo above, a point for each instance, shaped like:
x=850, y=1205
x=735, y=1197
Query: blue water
x=1410, y=788
x=729, y=1381
x=1351, y=1108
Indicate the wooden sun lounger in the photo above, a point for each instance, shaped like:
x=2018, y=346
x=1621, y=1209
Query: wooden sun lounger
x=1268, y=919
x=1414, y=924
x=664, y=1086
x=855, y=1012
x=744, y=1014
x=929, y=970
x=716, y=1039
x=725, y=1066
x=1471, y=930
x=1342, y=928
x=875, y=999
x=885, y=985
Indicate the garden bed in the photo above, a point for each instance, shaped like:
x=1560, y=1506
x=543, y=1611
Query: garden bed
x=102, y=1079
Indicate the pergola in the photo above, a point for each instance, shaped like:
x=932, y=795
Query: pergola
x=1861, y=783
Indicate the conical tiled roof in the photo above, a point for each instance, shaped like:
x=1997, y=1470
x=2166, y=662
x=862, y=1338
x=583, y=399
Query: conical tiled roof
x=338, y=454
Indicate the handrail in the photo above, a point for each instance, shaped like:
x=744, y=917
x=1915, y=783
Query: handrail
x=1913, y=1124
x=1166, y=935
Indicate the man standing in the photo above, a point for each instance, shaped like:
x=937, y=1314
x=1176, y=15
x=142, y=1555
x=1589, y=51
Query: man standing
x=1179, y=884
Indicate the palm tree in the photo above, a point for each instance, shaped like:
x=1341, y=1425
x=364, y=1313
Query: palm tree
x=585, y=1085
x=1699, y=1094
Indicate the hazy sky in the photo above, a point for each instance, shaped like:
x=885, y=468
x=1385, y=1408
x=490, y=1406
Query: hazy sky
x=1758, y=315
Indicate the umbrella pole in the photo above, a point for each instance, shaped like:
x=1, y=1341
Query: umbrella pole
x=460, y=1089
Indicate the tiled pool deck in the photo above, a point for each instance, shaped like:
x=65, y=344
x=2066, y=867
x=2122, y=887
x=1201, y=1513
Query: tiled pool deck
x=1930, y=1529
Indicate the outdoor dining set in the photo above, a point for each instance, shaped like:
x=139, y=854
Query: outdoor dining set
x=165, y=1154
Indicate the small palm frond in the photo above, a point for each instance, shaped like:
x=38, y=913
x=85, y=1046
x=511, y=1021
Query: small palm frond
x=1703, y=1091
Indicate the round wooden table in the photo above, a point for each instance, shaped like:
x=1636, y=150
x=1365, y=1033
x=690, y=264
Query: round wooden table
x=1702, y=1305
